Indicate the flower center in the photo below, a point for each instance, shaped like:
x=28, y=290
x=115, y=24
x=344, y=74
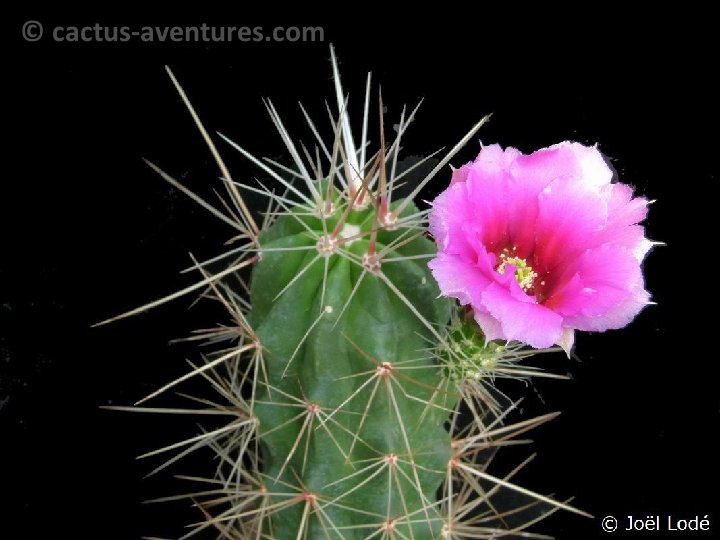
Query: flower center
x=524, y=273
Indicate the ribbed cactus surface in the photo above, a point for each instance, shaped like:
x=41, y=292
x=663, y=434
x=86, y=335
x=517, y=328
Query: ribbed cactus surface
x=346, y=411
x=360, y=403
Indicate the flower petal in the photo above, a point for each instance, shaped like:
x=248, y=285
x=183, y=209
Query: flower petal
x=606, y=290
x=490, y=326
x=451, y=212
x=458, y=279
x=489, y=207
x=528, y=322
x=595, y=171
x=570, y=214
x=624, y=212
x=567, y=340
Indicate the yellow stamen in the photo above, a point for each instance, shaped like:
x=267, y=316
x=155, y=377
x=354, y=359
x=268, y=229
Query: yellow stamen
x=524, y=274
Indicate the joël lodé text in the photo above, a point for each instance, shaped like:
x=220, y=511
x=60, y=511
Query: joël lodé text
x=668, y=523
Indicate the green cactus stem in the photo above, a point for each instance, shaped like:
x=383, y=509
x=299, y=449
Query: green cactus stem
x=359, y=404
x=346, y=410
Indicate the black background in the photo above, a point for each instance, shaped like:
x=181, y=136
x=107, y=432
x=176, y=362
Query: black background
x=88, y=231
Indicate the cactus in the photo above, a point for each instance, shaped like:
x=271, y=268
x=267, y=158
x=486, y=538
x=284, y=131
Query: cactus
x=359, y=403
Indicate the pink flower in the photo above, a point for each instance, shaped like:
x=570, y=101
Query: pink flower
x=541, y=245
